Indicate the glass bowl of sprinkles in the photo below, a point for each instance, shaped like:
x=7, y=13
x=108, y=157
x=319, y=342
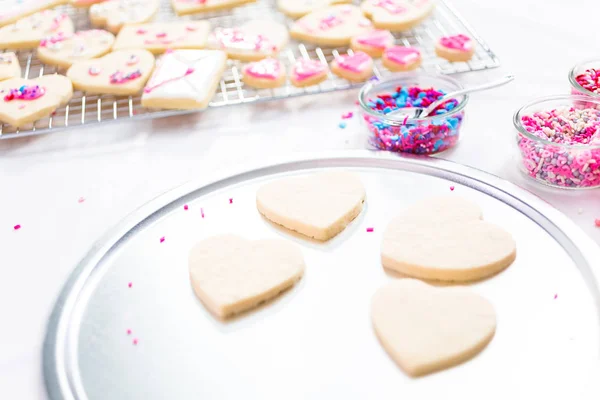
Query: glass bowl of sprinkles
x=559, y=141
x=437, y=132
x=585, y=78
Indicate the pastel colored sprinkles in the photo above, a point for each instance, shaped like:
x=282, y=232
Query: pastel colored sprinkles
x=162, y=239
x=369, y=229
x=25, y=92
x=17, y=227
x=185, y=207
x=589, y=80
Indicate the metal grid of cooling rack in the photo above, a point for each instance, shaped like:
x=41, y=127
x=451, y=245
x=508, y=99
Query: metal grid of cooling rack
x=85, y=109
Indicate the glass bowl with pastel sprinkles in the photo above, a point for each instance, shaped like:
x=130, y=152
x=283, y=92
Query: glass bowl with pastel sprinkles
x=559, y=141
x=585, y=78
x=437, y=132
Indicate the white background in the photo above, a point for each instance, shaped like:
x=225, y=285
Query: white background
x=119, y=167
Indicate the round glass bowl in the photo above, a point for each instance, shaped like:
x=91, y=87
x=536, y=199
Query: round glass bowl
x=574, y=166
x=579, y=69
x=412, y=135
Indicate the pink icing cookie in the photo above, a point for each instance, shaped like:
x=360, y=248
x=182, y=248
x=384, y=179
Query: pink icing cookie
x=455, y=48
x=400, y=58
x=356, y=67
x=264, y=74
x=373, y=43
x=308, y=73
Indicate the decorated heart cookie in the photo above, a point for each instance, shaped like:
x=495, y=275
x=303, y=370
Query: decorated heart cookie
x=264, y=74
x=26, y=100
x=9, y=66
x=318, y=206
x=426, y=329
x=113, y=14
x=14, y=10
x=184, y=79
x=447, y=242
x=373, y=43
x=65, y=49
x=183, y=7
x=230, y=274
x=28, y=32
x=455, y=48
x=356, y=67
x=331, y=26
x=160, y=36
x=397, y=15
x=122, y=72
x=299, y=8
x=251, y=41
x=308, y=72
x=401, y=58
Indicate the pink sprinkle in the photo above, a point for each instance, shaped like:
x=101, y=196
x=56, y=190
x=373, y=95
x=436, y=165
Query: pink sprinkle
x=185, y=207
x=356, y=102
x=230, y=201
x=369, y=229
x=140, y=31
x=161, y=35
x=17, y=227
x=202, y=212
x=555, y=296
x=130, y=284
x=162, y=239
x=80, y=200
x=135, y=341
x=22, y=106
x=347, y=115
x=129, y=331
x=452, y=188
x=597, y=223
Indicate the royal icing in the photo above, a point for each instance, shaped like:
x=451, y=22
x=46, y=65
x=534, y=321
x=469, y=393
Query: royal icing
x=458, y=42
x=269, y=68
x=25, y=92
x=52, y=42
x=118, y=77
x=166, y=72
x=305, y=69
x=358, y=62
x=378, y=39
x=233, y=38
x=330, y=21
x=402, y=55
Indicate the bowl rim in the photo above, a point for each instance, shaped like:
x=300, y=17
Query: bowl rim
x=519, y=126
x=576, y=84
x=400, y=78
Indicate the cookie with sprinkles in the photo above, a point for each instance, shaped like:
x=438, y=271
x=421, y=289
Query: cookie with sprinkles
x=308, y=72
x=113, y=14
x=455, y=48
x=264, y=74
x=373, y=43
x=397, y=15
x=9, y=66
x=27, y=33
x=184, y=7
x=356, y=67
x=401, y=58
x=159, y=36
x=14, y=10
x=63, y=50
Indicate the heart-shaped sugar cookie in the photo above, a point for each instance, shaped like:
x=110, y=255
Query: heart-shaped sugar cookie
x=121, y=73
x=445, y=239
x=113, y=14
x=397, y=15
x=63, y=49
x=27, y=33
x=26, y=100
x=426, y=329
x=230, y=274
x=318, y=206
x=159, y=37
x=14, y=10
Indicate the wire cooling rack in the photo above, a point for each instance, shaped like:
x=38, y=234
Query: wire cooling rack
x=86, y=109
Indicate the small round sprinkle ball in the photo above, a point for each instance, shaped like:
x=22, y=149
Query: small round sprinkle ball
x=429, y=135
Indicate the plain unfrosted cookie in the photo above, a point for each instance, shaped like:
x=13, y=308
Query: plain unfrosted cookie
x=308, y=72
x=14, y=10
x=264, y=74
x=230, y=274
x=320, y=205
x=455, y=48
x=184, y=7
x=397, y=15
x=299, y=8
x=357, y=67
x=426, y=329
x=64, y=50
x=122, y=72
x=113, y=14
x=28, y=32
x=9, y=66
x=160, y=36
x=251, y=41
x=331, y=26
x=184, y=79
x=27, y=100
x=445, y=239
x=373, y=43
x=401, y=58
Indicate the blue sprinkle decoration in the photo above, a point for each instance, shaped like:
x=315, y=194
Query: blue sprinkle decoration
x=342, y=125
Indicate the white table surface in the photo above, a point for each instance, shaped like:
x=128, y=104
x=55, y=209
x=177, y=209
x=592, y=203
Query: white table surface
x=119, y=167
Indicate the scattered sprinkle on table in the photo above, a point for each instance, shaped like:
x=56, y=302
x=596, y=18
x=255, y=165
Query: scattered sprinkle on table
x=17, y=227
x=555, y=296
x=597, y=222
x=342, y=125
x=202, y=212
x=451, y=188
x=348, y=115
x=590, y=80
x=135, y=341
x=162, y=239
x=369, y=229
x=130, y=284
x=185, y=207
x=231, y=201
x=129, y=331
x=81, y=199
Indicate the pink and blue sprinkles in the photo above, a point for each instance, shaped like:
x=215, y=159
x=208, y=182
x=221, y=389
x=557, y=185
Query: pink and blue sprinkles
x=420, y=136
x=573, y=157
x=25, y=92
x=590, y=80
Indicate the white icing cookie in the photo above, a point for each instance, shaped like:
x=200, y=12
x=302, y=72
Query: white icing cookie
x=400, y=58
x=230, y=274
x=318, y=206
x=308, y=73
x=160, y=36
x=113, y=14
x=24, y=101
x=455, y=48
x=426, y=329
x=251, y=41
x=264, y=74
x=64, y=50
x=373, y=43
x=331, y=26
x=122, y=72
x=14, y=10
x=397, y=15
x=84, y=3
x=357, y=67
x=9, y=66
x=448, y=242
x=184, y=79
x=299, y=8
x=183, y=7
x=28, y=32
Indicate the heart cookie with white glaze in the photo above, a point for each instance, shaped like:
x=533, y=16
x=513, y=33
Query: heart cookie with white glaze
x=63, y=50
x=14, y=10
x=397, y=15
x=184, y=7
x=425, y=329
x=113, y=14
x=308, y=72
x=28, y=32
x=299, y=8
x=230, y=274
x=26, y=100
x=158, y=37
x=445, y=239
x=121, y=73
x=319, y=206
